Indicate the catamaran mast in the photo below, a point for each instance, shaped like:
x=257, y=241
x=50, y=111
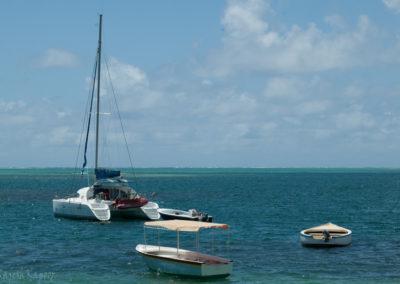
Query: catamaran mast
x=98, y=92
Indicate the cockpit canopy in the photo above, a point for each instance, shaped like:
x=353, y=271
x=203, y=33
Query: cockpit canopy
x=113, y=189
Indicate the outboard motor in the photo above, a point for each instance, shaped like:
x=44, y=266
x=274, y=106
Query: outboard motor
x=326, y=235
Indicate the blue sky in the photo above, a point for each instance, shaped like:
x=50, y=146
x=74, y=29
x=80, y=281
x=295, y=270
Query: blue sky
x=204, y=83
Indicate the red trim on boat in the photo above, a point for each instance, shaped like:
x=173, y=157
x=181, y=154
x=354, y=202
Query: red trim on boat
x=130, y=203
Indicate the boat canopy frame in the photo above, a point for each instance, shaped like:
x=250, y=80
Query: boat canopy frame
x=184, y=226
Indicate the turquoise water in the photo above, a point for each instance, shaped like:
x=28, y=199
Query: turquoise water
x=265, y=209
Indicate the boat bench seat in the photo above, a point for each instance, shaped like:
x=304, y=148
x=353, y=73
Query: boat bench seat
x=207, y=259
x=191, y=256
x=320, y=236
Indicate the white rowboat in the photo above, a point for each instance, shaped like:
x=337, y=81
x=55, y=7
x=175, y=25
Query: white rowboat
x=326, y=235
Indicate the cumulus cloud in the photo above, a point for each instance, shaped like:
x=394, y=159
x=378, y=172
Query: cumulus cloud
x=323, y=133
x=393, y=5
x=14, y=114
x=290, y=88
x=313, y=107
x=288, y=107
x=58, y=58
x=131, y=85
x=335, y=20
x=61, y=135
x=6, y=106
x=353, y=91
x=126, y=76
x=251, y=44
x=355, y=119
x=244, y=19
x=27, y=123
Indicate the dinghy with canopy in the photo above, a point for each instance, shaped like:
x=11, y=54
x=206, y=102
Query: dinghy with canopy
x=179, y=261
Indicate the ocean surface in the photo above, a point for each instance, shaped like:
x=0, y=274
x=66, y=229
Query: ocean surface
x=265, y=209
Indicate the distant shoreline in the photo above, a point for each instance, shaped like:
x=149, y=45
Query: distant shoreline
x=205, y=170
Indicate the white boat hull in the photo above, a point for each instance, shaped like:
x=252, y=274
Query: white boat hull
x=188, y=263
x=171, y=214
x=334, y=241
x=87, y=207
x=75, y=209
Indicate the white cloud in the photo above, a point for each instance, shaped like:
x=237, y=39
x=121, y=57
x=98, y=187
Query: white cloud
x=269, y=126
x=14, y=114
x=292, y=120
x=235, y=134
x=11, y=105
x=335, y=20
x=356, y=119
x=313, y=107
x=272, y=99
x=288, y=88
x=226, y=103
x=126, y=76
x=250, y=44
x=63, y=114
x=283, y=87
x=58, y=58
x=131, y=86
x=392, y=5
x=207, y=82
x=323, y=133
x=243, y=19
x=61, y=135
x=353, y=91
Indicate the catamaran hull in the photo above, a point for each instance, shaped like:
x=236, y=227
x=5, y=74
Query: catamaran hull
x=134, y=213
x=165, y=261
x=146, y=212
x=76, y=210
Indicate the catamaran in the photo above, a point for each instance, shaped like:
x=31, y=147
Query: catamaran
x=110, y=196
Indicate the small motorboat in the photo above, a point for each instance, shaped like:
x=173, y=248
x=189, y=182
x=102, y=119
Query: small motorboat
x=326, y=235
x=191, y=215
x=174, y=260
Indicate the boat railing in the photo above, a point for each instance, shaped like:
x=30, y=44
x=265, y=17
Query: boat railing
x=195, y=255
